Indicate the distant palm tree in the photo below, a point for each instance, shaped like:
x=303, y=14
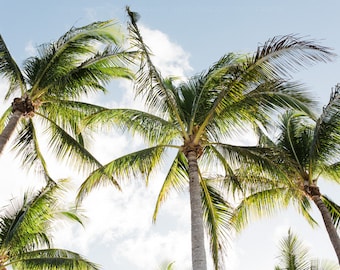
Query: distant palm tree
x=307, y=151
x=25, y=227
x=195, y=118
x=295, y=256
x=49, y=87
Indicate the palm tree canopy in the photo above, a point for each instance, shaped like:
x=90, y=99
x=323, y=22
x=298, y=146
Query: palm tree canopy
x=200, y=114
x=295, y=256
x=25, y=227
x=51, y=84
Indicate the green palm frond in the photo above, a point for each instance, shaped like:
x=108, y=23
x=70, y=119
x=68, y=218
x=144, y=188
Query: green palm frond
x=212, y=157
x=177, y=179
x=260, y=204
x=281, y=55
x=92, y=74
x=10, y=70
x=24, y=226
x=331, y=171
x=293, y=254
x=326, y=141
x=217, y=214
x=59, y=58
x=334, y=210
x=149, y=82
x=262, y=158
x=296, y=138
x=132, y=166
x=151, y=127
x=28, y=148
x=52, y=259
x=4, y=118
x=69, y=149
x=303, y=205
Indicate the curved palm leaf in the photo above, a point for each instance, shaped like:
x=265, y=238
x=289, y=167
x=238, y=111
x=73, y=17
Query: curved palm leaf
x=177, y=178
x=217, y=214
x=133, y=165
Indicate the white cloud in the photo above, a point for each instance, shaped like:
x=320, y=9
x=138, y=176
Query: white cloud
x=168, y=57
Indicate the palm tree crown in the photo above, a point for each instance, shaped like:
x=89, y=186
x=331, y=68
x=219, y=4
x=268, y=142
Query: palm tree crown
x=295, y=256
x=307, y=150
x=51, y=84
x=195, y=118
x=25, y=241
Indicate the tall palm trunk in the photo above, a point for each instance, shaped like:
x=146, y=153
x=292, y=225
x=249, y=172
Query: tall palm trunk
x=197, y=230
x=314, y=192
x=332, y=233
x=9, y=129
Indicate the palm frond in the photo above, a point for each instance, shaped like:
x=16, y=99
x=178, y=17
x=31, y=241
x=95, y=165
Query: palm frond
x=69, y=149
x=4, y=118
x=28, y=148
x=149, y=82
x=24, y=227
x=177, y=179
x=326, y=139
x=10, y=70
x=52, y=259
x=217, y=214
x=132, y=166
x=259, y=204
x=334, y=210
x=151, y=127
x=281, y=55
x=59, y=58
x=331, y=172
x=293, y=254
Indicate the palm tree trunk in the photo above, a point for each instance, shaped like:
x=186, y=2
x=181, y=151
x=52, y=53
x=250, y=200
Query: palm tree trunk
x=9, y=129
x=197, y=230
x=332, y=233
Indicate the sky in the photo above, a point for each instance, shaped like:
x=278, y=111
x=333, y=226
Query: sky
x=186, y=37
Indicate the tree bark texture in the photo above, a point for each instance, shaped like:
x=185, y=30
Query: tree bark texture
x=332, y=233
x=197, y=228
x=9, y=129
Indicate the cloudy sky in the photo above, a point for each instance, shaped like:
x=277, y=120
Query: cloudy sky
x=186, y=37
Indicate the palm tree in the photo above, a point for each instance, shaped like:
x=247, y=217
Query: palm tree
x=308, y=150
x=295, y=256
x=193, y=119
x=51, y=84
x=25, y=226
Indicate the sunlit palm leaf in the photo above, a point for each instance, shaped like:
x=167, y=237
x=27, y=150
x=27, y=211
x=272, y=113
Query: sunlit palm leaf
x=151, y=127
x=131, y=166
x=67, y=148
x=52, y=259
x=217, y=214
x=177, y=179
x=327, y=126
x=10, y=70
x=28, y=148
x=260, y=204
x=284, y=54
x=294, y=255
x=334, y=210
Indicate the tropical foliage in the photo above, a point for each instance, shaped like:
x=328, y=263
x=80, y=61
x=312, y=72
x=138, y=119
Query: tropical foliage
x=49, y=88
x=194, y=119
x=295, y=256
x=307, y=150
x=25, y=227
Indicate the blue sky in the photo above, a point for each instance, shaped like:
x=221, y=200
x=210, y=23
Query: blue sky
x=186, y=38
